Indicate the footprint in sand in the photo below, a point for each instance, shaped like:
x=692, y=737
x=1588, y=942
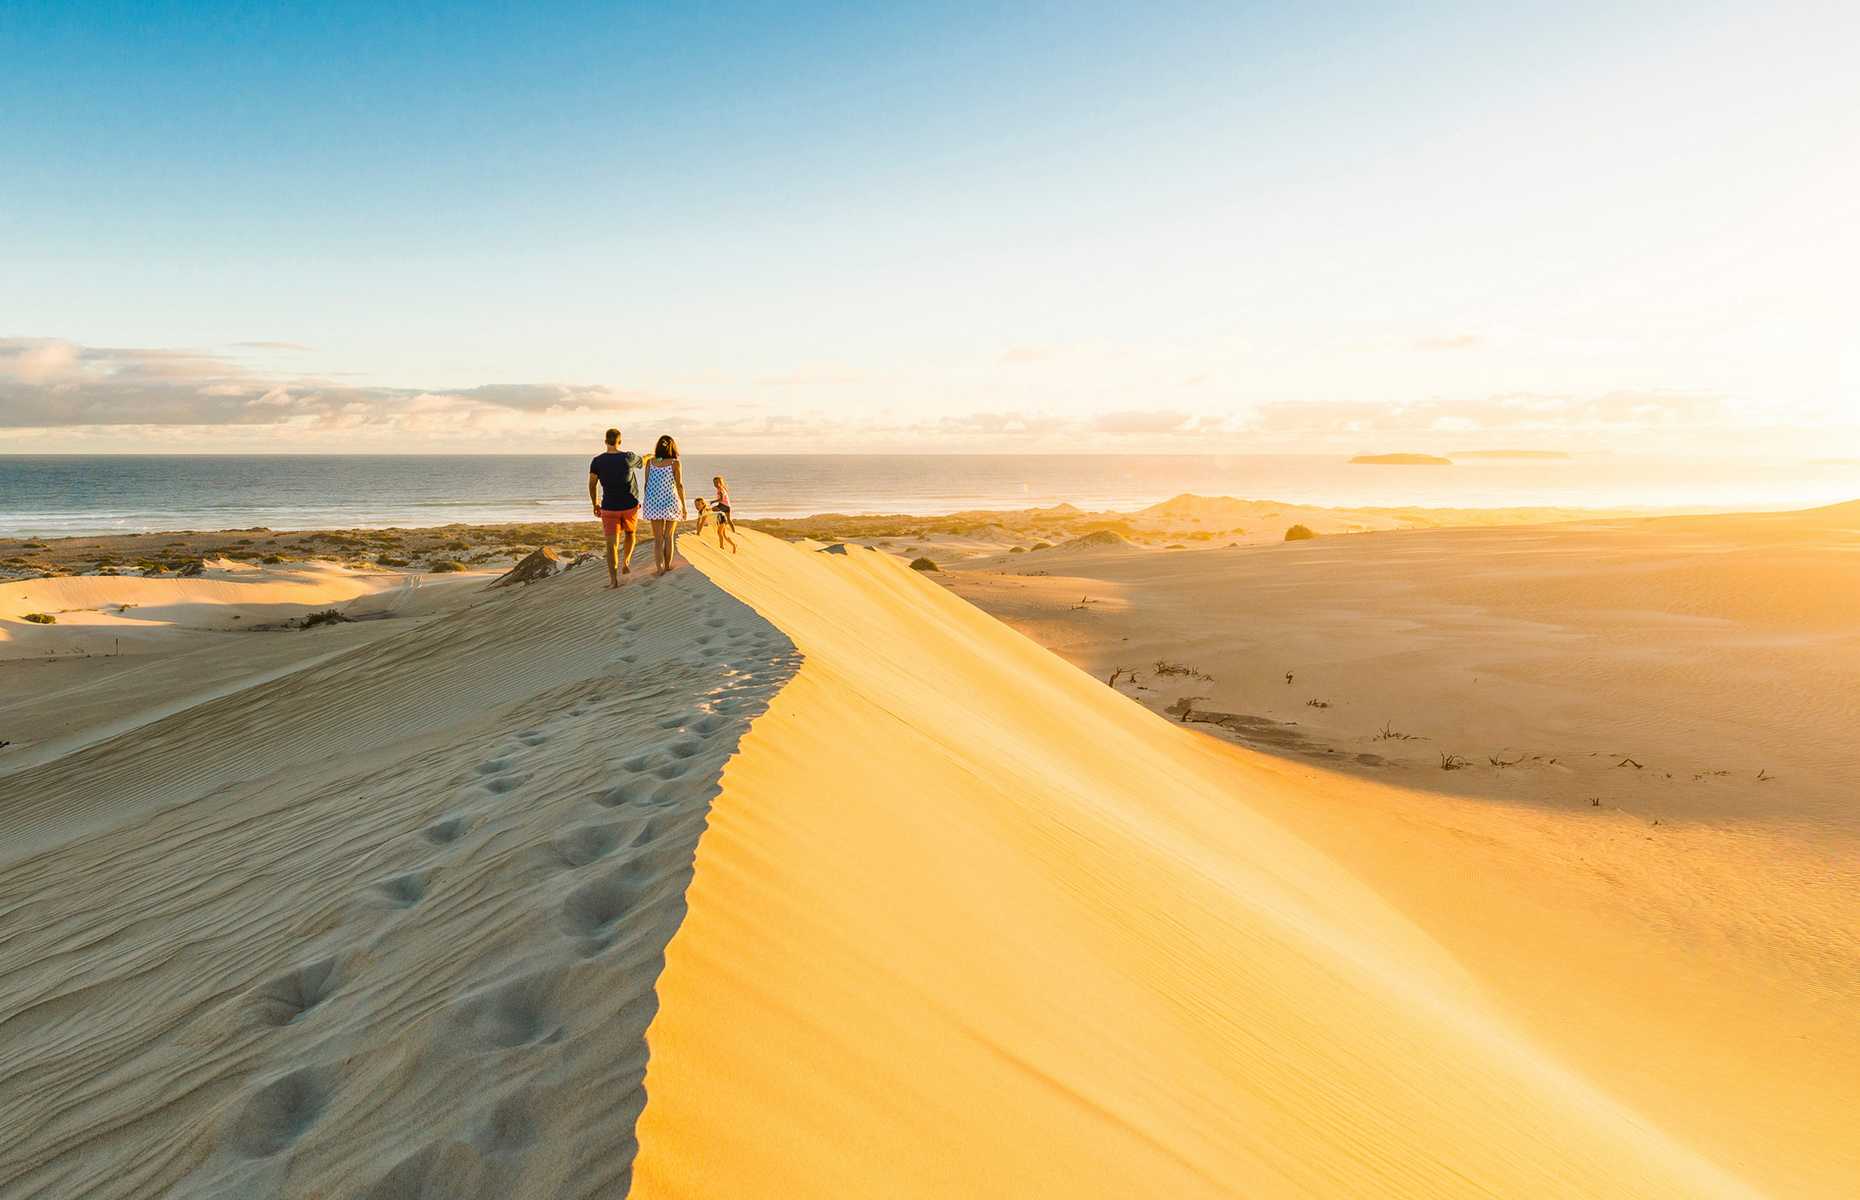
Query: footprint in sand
x=532, y=737
x=672, y=770
x=591, y=911
x=435, y=1168
x=516, y=1012
x=510, y=1128
x=579, y=845
x=403, y=891
x=282, y=1000
x=491, y=766
x=410, y=1176
x=671, y=722
x=613, y=797
x=666, y=795
x=279, y=1113
x=446, y=830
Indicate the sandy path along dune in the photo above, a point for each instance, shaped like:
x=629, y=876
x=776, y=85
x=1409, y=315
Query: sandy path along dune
x=386, y=926
x=967, y=922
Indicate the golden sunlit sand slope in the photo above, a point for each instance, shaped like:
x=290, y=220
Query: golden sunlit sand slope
x=967, y=922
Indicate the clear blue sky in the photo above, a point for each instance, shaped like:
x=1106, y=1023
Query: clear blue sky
x=936, y=227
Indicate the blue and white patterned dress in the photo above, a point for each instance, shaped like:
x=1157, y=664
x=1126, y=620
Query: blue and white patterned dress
x=661, y=497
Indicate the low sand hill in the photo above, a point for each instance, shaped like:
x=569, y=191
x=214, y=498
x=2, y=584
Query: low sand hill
x=968, y=922
x=383, y=925
x=1092, y=541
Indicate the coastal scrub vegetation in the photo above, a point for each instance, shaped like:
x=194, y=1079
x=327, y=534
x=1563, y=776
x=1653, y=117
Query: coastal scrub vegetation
x=1299, y=533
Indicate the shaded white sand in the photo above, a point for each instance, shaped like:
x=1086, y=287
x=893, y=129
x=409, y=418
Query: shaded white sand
x=385, y=925
x=967, y=922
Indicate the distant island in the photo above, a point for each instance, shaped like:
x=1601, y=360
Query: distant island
x=1514, y=453
x=1402, y=460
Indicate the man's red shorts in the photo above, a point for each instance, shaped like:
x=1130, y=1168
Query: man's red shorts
x=613, y=519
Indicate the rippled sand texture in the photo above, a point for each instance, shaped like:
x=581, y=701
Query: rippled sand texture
x=384, y=926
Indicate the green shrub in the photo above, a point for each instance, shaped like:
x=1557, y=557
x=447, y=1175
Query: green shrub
x=444, y=566
x=328, y=616
x=1299, y=533
x=41, y=618
x=923, y=564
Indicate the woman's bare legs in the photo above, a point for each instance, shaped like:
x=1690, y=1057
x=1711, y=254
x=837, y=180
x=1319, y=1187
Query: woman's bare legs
x=664, y=544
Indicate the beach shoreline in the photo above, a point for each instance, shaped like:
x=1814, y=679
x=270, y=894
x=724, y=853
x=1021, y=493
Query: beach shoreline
x=406, y=546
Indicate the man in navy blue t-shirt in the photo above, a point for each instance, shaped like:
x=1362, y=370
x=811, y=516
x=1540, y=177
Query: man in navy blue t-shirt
x=616, y=502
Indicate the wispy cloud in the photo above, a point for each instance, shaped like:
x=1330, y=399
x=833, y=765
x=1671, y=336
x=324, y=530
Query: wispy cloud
x=47, y=383
x=291, y=347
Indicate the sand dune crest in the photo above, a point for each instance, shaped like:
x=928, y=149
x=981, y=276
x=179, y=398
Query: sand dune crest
x=1067, y=959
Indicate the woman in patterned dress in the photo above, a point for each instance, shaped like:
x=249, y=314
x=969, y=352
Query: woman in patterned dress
x=665, y=500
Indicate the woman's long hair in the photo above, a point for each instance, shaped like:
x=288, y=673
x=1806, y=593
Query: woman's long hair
x=667, y=447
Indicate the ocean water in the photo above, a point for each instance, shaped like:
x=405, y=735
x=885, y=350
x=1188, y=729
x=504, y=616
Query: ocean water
x=56, y=495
